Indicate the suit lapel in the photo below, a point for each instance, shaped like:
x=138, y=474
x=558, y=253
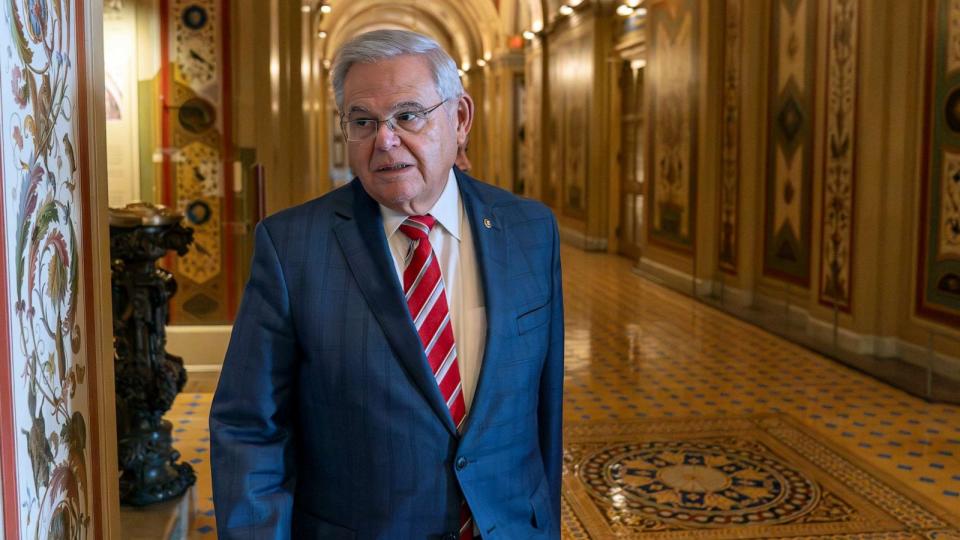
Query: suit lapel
x=360, y=234
x=491, y=244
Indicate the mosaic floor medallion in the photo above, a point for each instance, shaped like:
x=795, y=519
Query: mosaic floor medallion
x=700, y=484
x=753, y=477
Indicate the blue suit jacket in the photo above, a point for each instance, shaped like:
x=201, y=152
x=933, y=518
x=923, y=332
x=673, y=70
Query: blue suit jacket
x=327, y=422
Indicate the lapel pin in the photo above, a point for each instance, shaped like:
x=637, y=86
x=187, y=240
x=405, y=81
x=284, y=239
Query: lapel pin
x=487, y=223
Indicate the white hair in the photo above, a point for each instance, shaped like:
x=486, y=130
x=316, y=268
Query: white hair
x=379, y=45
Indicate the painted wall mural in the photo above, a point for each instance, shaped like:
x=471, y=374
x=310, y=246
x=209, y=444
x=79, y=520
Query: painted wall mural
x=938, y=275
x=839, y=178
x=196, y=124
x=54, y=476
x=730, y=145
x=673, y=77
x=789, y=182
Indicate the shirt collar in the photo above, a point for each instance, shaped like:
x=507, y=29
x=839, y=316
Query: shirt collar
x=446, y=211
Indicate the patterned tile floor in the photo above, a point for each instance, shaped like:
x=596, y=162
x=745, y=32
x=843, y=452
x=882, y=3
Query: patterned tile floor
x=191, y=437
x=636, y=352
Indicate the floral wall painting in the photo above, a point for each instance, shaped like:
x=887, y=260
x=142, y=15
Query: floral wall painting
x=729, y=193
x=938, y=267
x=789, y=182
x=839, y=176
x=42, y=246
x=672, y=67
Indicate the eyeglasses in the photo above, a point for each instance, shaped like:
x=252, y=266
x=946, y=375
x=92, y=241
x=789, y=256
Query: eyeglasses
x=360, y=129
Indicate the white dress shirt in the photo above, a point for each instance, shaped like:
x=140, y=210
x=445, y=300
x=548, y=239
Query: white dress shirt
x=452, y=242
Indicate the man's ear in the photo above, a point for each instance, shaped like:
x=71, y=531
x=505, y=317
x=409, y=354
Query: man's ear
x=464, y=118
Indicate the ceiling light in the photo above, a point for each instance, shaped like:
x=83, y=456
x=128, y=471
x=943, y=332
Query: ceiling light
x=461, y=72
x=566, y=10
x=624, y=10
x=481, y=62
x=487, y=56
x=305, y=8
x=537, y=26
x=325, y=8
x=528, y=35
x=634, y=3
x=638, y=64
x=321, y=34
x=641, y=12
x=574, y=3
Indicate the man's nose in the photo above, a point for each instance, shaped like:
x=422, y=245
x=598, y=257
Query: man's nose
x=387, y=137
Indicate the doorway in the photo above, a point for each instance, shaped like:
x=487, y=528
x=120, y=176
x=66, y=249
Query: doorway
x=632, y=130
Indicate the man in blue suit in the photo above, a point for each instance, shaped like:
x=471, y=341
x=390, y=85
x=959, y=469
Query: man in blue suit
x=396, y=367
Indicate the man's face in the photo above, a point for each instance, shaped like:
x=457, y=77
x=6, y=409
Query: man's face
x=403, y=171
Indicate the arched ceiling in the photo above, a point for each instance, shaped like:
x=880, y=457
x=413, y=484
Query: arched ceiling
x=468, y=29
x=518, y=16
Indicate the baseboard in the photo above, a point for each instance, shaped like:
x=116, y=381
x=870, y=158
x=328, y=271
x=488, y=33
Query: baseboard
x=170, y=520
x=581, y=240
x=199, y=345
x=203, y=368
x=673, y=278
x=728, y=294
x=868, y=344
x=796, y=323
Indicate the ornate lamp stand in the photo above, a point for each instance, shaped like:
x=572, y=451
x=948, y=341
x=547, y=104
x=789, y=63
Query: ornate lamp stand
x=147, y=377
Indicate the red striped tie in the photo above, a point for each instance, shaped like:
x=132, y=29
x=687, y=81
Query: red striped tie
x=423, y=287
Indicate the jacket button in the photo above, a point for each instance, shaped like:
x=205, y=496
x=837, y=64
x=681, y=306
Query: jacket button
x=461, y=463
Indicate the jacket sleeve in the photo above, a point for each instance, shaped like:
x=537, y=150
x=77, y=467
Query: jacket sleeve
x=251, y=447
x=550, y=410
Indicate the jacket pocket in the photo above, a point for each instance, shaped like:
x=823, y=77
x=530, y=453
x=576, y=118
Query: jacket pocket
x=540, y=515
x=535, y=318
x=309, y=526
